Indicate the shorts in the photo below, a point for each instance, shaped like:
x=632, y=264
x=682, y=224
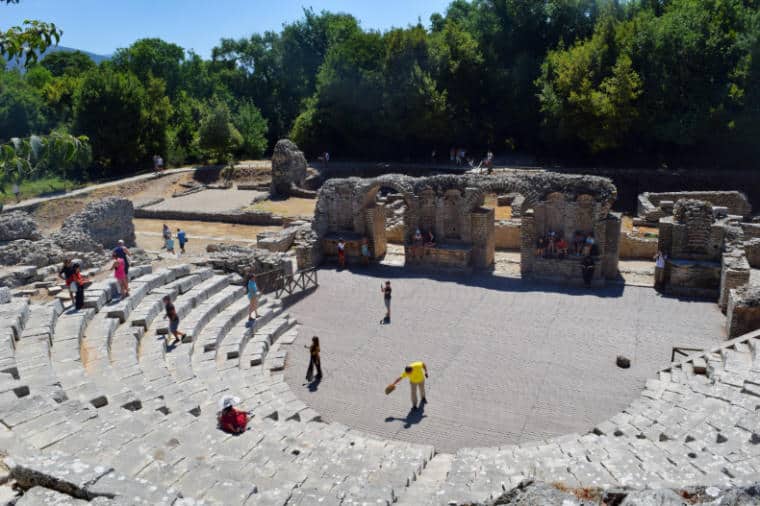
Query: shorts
x=174, y=325
x=252, y=296
x=388, y=303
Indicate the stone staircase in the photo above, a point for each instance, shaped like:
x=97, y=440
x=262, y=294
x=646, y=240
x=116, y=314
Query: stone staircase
x=94, y=406
x=112, y=413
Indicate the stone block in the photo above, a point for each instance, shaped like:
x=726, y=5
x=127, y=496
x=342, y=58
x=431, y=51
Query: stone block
x=65, y=474
x=36, y=496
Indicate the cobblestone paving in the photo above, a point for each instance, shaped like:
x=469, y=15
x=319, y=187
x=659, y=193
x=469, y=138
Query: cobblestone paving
x=509, y=361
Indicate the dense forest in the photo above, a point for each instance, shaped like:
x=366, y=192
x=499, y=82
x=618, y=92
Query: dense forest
x=607, y=81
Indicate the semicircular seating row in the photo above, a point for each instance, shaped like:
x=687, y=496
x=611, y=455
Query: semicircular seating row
x=94, y=407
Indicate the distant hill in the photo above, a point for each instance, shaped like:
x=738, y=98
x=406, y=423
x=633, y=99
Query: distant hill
x=97, y=58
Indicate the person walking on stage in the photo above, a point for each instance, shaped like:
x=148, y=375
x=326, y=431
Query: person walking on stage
x=314, y=361
x=386, y=291
x=416, y=372
x=181, y=239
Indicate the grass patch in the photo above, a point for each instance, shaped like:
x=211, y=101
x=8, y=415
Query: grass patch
x=38, y=187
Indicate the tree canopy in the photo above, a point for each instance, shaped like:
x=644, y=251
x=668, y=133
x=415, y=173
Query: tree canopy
x=641, y=81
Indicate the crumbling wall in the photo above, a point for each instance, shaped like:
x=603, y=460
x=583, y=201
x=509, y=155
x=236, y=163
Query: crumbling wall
x=635, y=247
x=743, y=313
x=18, y=225
x=650, y=208
x=288, y=167
x=103, y=222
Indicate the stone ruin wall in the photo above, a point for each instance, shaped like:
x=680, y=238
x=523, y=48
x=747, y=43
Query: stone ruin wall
x=288, y=168
x=452, y=207
x=84, y=236
x=649, y=207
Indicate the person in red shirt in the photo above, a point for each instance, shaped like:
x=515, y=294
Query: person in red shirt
x=562, y=247
x=230, y=419
x=78, y=283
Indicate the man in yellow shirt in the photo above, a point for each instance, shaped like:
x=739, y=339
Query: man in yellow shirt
x=416, y=372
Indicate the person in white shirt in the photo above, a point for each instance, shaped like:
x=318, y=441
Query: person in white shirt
x=660, y=260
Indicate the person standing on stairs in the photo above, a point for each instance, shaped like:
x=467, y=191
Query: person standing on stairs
x=171, y=314
x=120, y=273
x=122, y=252
x=253, y=295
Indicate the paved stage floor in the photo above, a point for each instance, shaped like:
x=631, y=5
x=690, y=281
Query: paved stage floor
x=510, y=361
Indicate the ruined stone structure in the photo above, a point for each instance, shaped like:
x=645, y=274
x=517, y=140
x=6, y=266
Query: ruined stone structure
x=705, y=248
x=288, y=167
x=565, y=213
x=18, y=225
x=653, y=206
x=84, y=236
x=693, y=242
x=104, y=222
x=451, y=207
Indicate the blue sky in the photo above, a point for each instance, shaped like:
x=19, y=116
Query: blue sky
x=101, y=26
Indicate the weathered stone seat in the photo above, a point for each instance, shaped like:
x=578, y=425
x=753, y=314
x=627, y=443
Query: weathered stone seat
x=451, y=255
x=566, y=271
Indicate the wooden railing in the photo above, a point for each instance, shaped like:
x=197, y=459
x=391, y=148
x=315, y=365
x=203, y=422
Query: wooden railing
x=301, y=280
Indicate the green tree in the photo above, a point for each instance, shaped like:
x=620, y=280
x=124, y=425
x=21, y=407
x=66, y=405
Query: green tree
x=22, y=108
x=218, y=135
x=589, y=92
x=152, y=57
x=253, y=129
x=126, y=122
x=67, y=63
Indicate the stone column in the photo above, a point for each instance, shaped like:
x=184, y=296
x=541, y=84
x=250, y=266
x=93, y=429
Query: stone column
x=527, y=242
x=734, y=273
x=483, y=243
x=612, y=246
x=375, y=226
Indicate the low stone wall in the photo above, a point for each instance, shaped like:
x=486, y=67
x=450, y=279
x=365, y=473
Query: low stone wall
x=752, y=250
x=507, y=234
x=260, y=218
x=735, y=273
x=693, y=278
x=751, y=230
x=743, y=313
x=649, y=203
x=638, y=248
x=565, y=271
x=447, y=256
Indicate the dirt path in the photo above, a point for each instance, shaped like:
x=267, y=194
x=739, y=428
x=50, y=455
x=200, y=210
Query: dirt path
x=200, y=234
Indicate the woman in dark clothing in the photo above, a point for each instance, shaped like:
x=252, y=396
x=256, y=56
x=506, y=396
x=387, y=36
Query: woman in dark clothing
x=67, y=274
x=587, y=266
x=314, y=360
x=78, y=282
x=386, y=291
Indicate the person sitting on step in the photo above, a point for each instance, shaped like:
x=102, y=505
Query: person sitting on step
x=230, y=419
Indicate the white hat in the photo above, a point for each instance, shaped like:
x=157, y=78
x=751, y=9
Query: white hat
x=228, y=401
x=121, y=241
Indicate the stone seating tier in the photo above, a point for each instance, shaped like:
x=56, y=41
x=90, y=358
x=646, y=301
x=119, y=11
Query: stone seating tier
x=155, y=441
x=699, y=278
x=458, y=256
x=566, y=271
